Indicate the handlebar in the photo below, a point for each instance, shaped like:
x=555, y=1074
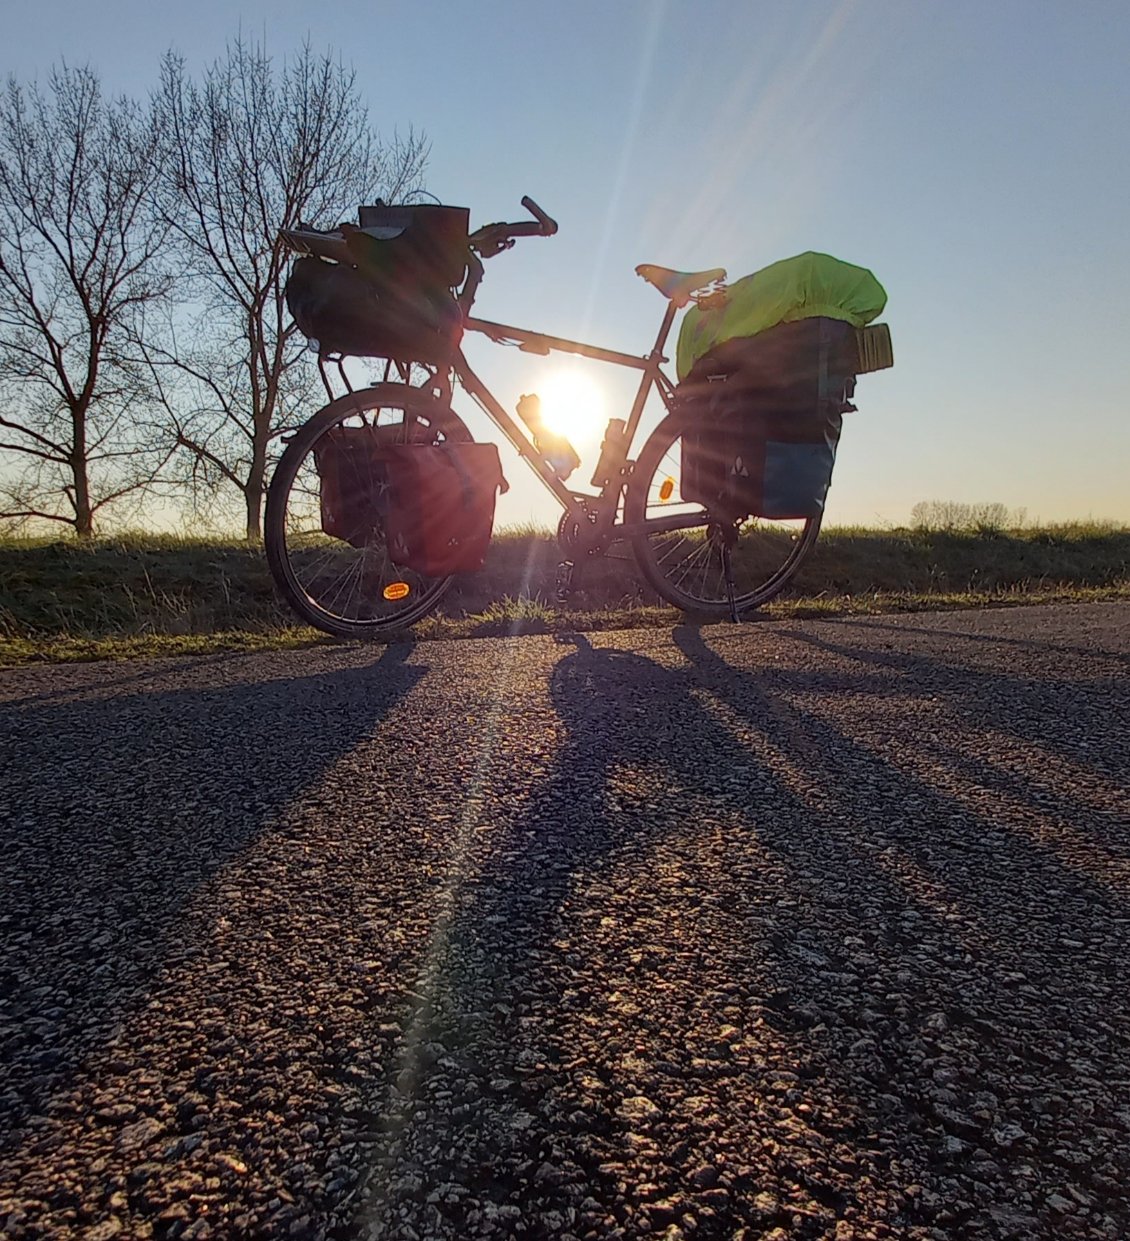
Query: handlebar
x=492, y=239
x=488, y=241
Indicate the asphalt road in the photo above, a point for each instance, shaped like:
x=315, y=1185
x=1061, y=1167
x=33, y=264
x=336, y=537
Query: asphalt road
x=802, y=929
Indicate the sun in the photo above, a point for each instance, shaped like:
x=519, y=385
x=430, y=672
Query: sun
x=574, y=405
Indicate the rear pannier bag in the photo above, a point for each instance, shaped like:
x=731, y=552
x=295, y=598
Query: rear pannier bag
x=763, y=418
x=441, y=505
x=396, y=299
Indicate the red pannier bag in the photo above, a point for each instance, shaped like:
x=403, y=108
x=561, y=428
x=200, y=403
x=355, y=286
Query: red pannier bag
x=440, y=506
x=353, y=481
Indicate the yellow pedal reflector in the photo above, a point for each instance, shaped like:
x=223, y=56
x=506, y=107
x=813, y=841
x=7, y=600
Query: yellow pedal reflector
x=666, y=489
x=396, y=590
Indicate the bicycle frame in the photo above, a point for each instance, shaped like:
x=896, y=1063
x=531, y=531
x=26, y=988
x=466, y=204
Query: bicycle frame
x=580, y=504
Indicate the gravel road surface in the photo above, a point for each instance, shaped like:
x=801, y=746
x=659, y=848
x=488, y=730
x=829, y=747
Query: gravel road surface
x=797, y=930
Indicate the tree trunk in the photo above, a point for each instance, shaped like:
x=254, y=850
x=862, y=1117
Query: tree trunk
x=84, y=514
x=256, y=486
x=80, y=472
x=253, y=498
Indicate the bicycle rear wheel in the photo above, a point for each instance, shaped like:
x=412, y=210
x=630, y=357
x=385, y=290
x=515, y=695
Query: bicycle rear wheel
x=686, y=567
x=345, y=589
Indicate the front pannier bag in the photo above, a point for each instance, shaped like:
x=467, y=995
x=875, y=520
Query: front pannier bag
x=352, y=478
x=441, y=505
x=395, y=300
x=433, y=504
x=763, y=419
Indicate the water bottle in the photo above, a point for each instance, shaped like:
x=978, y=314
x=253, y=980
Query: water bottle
x=555, y=449
x=611, y=452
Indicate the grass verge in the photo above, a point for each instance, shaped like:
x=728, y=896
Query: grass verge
x=145, y=595
x=524, y=616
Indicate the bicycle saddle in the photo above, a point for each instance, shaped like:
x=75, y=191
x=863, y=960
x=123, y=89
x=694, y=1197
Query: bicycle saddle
x=679, y=286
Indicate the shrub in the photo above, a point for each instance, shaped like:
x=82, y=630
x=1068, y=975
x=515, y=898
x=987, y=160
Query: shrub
x=953, y=515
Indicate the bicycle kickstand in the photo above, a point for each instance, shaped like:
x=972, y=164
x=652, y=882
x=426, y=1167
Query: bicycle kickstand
x=728, y=568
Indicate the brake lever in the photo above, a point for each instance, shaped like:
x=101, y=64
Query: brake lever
x=488, y=250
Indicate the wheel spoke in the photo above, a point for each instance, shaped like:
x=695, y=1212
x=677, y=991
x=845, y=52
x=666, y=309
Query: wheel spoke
x=674, y=547
x=701, y=555
x=359, y=591
x=326, y=558
x=338, y=584
x=721, y=587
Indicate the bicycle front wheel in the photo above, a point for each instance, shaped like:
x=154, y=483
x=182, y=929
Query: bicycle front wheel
x=350, y=587
x=686, y=567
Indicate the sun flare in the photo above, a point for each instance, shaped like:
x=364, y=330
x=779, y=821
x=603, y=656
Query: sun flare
x=574, y=405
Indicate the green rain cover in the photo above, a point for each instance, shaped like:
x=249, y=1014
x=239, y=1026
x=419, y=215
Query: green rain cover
x=808, y=286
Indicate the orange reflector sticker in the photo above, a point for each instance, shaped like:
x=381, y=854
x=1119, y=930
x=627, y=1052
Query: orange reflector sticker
x=397, y=590
x=668, y=486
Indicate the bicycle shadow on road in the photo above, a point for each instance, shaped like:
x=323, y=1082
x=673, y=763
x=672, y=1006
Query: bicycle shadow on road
x=969, y=822
x=1048, y=711
x=593, y=964
x=729, y=923
x=119, y=809
x=1038, y=644
x=627, y=776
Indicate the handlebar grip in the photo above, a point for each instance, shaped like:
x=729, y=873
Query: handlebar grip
x=548, y=226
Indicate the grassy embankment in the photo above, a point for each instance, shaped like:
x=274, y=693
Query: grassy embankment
x=150, y=595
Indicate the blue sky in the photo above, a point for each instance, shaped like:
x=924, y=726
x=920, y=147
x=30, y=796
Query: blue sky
x=974, y=156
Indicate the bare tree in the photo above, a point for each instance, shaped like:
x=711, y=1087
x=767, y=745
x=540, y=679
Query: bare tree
x=79, y=250
x=955, y=516
x=252, y=148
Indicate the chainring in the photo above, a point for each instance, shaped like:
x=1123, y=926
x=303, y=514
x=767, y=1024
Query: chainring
x=570, y=531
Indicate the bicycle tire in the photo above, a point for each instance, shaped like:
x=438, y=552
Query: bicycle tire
x=294, y=554
x=758, y=541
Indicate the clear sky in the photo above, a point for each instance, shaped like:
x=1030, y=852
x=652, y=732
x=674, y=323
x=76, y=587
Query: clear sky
x=975, y=156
